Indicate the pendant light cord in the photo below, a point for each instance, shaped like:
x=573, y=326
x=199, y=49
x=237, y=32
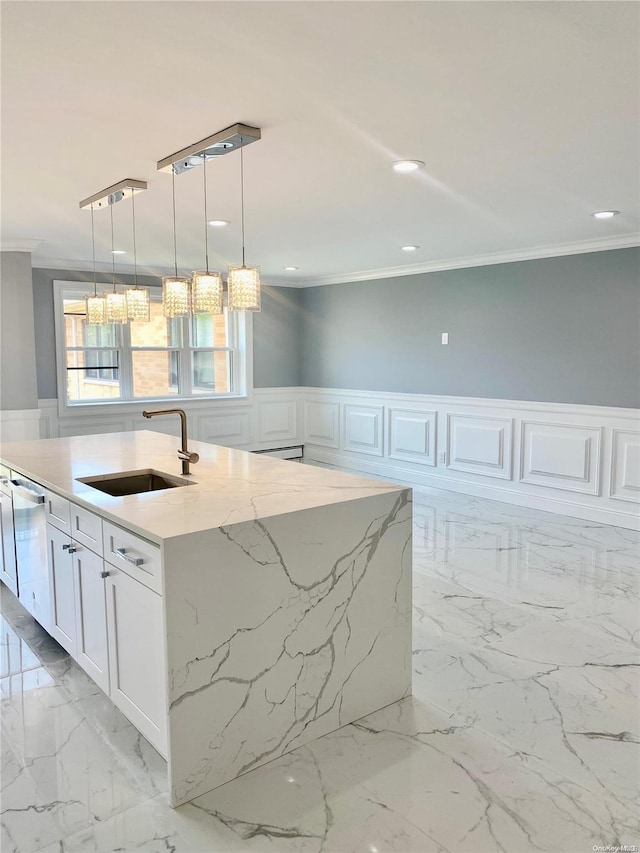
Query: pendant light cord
x=175, y=245
x=206, y=232
x=242, y=193
x=113, y=257
x=133, y=218
x=93, y=250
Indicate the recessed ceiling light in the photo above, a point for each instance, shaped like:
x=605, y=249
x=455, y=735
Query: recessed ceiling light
x=118, y=252
x=605, y=214
x=291, y=269
x=218, y=223
x=410, y=248
x=407, y=165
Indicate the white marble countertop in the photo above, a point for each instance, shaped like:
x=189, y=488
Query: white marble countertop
x=229, y=486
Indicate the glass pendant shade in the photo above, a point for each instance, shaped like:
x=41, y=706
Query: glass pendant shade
x=206, y=293
x=244, y=288
x=138, y=306
x=96, y=311
x=176, y=296
x=116, y=307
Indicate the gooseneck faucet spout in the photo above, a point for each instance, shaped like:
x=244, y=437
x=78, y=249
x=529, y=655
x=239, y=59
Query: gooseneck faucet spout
x=183, y=454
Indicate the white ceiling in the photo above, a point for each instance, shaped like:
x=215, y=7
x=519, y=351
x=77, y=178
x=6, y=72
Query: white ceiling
x=525, y=113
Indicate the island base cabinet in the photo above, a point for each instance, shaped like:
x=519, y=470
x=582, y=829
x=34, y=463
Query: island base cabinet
x=8, y=571
x=91, y=617
x=62, y=589
x=136, y=654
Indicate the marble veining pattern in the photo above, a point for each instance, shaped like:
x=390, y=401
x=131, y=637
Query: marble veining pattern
x=313, y=632
x=522, y=733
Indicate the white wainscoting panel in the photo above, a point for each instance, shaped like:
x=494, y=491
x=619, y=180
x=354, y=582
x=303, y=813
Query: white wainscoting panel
x=66, y=430
x=363, y=428
x=322, y=423
x=479, y=445
x=277, y=420
x=231, y=429
x=19, y=424
x=412, y=436
x=561, y=456
x=234, y=422
x=625, y=465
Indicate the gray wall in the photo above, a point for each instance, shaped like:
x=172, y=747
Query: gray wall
x=276, y=331
x=18, y=389
x=276, y=339
x=563, y=330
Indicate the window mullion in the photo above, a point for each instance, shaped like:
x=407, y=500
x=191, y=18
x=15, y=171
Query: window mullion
x=184, y=358
x=126, y=366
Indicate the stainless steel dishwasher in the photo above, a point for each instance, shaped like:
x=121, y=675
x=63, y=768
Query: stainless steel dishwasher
x=31, y=548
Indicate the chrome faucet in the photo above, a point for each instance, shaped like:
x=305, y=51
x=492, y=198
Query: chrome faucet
x=183, y=454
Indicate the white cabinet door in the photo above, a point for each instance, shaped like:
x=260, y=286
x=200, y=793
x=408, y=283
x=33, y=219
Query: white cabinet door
x=92, y=652
x=136, y=651
x=8, y=571
x=62, y=588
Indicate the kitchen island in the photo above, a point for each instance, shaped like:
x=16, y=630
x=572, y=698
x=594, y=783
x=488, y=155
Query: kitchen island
x=263, y=605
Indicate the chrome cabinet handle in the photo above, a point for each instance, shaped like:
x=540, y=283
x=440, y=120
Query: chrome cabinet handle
x=25, y=493
x=135, y=561
x=104, y=574
x=70, y=547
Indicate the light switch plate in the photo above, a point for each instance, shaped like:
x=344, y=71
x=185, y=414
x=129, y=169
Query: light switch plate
x=445, y=337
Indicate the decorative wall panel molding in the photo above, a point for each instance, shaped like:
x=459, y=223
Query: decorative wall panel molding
x=19, y=424
x=277, y=420
x=93, y=428
x=561, y=456
x=553, y=470
x=412, y=436
x=234, y=422
x=479, y=445
x=625, y=465
x=363, y=428
x=233, y=429
x=322, y=423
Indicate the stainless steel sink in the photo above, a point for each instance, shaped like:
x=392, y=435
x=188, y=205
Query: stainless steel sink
x=134, y=482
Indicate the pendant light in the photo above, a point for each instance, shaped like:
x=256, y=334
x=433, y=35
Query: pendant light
x=96, y=308
x=137, y=298
x=176, y=291
x=116, y=300
x=243, y=282
x=206, y=287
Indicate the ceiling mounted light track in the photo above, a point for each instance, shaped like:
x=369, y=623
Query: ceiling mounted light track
x=204, y=292
x=113, y=194
x=116, y=306
x=214, y=146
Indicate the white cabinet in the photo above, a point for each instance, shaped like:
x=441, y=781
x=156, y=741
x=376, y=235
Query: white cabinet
x=8, y=570
x=60, y=556
x=92, y=652
x=136, y=654
x=107, y=611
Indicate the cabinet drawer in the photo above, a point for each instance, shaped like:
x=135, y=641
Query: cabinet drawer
x=133, y=555
x=86, y=528
x=58, y=511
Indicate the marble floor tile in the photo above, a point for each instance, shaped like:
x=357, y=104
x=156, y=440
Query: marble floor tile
x=523, y=732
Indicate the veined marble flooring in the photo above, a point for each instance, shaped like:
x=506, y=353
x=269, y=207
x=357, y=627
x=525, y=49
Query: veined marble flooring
x=522, y=733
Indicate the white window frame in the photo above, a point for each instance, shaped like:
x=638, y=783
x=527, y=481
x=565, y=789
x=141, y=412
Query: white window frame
x=240, y=326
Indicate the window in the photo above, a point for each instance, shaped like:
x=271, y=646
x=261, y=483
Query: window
x=197, y=357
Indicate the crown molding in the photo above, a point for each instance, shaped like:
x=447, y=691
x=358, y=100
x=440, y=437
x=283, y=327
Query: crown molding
x=105, y=268
x=510, y=257
x=537, y=252
x=20, y=244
